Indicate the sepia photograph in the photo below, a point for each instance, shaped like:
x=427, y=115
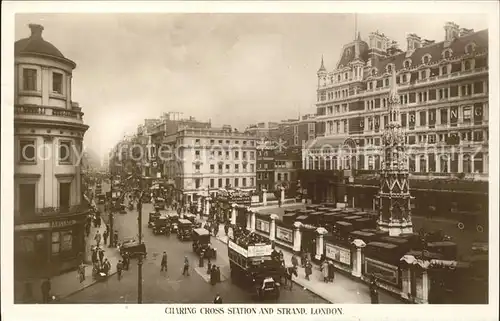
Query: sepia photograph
x=293, y=159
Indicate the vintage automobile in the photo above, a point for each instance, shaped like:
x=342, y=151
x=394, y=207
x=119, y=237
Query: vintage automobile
x=101, y=199
x=152, y=218
x=133, y=248
x=161, y=225
x=159, y=203
x=190, y=217
x=174, y=222
x=201, y=243
x=268, y=288
x=185, y=229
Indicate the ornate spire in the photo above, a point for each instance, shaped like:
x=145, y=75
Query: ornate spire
x=322, y=67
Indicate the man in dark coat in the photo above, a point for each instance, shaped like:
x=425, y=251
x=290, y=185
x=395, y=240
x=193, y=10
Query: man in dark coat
x=46, y=287
x=101, y=255
x=213, y=275
x=373, y=290
x=164, y=262
x=94, y=256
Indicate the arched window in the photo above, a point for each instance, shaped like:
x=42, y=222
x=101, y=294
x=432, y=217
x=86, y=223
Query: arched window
x=447, y=54
x=470, y=48
x=389, y=68
x=407, y=64
x=444, y=70
x=338, y=78
x=374, y=72
x=467, y=167
x=346, y=75
x=467, y=65
x=426, y=59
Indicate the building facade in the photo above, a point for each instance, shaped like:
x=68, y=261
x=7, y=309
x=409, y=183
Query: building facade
x=48, y=144
x=208, y=160
x=287, y=164
x=443, y=90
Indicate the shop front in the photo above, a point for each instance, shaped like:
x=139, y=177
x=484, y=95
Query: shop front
x=49, y=247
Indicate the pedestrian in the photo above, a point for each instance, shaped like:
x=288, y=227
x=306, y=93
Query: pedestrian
x=324, y=270
x=331, y=271
x=46, y=287
x=226, y=229
x=213, y=275
x=115, y=238
x=97, y=238
x=295, y=261
x=81, y=272
x=98, y=219
x=87, y=229
x=308, y=269
x=185, y=269
x=119, y=268
x=101, y=255
x=373, y=290
x=218, y=299
x=105, y=236
x=303, y=259
x=106, y=267
x=164, y=262
x=94, y=255
x=217, y=274
x=209, y=266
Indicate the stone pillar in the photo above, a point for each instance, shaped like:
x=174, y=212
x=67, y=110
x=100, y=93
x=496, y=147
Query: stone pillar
x=460, y=162
x=406, y=282
x=282, y=195
x=320, y=248
x=272, y=227
x=249, y=220
x=297, y=238
x=233, y=214
x=264, y=197
x=357, y=262
x=252, y=221
x=199, y=204
x=425, y=288
x=207, y=207
x=472, y=168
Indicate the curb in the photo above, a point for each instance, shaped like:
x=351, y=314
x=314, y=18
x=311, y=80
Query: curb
x=85, y=287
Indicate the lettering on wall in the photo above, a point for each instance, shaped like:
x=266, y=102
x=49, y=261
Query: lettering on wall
x=338, y=253
x=284, y=234
x=261, y=225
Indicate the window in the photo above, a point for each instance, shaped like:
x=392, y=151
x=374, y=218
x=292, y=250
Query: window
x=386, y=82
x=197, y=183
x=467, y=65
x=197, y=168
x=244, y=182
x=197, y=154
x=220, y=182
x=64, y=152
x=244, y=143
x=212, y=182
x=406, y=64
x=61, y=242
x=252, y=183
x=279, y=176
x=236, y=168
x=444, y=70
x=444, y=116
x=27, y=151
x=432, y=139
x=447, y=54
x=57, y=82
x=252, y=168
x=286, y=176
x=252, y=155
x=197, y=142
x=467, y=114
x=227, y=168
x=212, y=154
x=219, y=153
x=220, y=168
x=228, y=142
x=29, y=79
x=212, y=142
x=64, y=195
x=426, y=59
x=220, y=142
x=227, y=155
x=27, y=199
x=244, y=168
x=236, y=155
x=236, y=182
x=212, y=168
x=228, y=182
x=244, y=155
x=422, y=118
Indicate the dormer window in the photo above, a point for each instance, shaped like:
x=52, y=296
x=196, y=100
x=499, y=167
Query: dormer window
x=426, y=59
x=407, y=64
x=470, y=48
x=346, y=75
x=467, y=65
x=374, y=72
x=447, y=54
x=389, y=68
x=339, y=78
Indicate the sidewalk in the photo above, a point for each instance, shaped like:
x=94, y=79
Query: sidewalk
x=68, y=283
x=342, y=290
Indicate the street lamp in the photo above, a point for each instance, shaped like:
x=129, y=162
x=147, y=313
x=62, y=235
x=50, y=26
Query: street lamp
x=111, y=218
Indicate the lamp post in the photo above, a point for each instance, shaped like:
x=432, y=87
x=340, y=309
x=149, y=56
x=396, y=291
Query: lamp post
x=111, y=218
x=141, y=255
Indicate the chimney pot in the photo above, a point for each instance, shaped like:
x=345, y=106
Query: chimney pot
x=36, y=30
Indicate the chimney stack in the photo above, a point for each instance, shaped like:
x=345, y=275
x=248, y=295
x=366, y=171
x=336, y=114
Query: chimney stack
x=426, y=42
x=413, y=42
x=465, y=32
x=451, y=31
x=36, y=30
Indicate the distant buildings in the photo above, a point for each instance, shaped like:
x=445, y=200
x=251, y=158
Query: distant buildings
x=48, y=131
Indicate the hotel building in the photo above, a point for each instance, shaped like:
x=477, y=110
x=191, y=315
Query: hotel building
x=443, y=88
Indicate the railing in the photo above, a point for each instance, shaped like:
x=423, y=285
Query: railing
x=52, y=211
x=47, y=111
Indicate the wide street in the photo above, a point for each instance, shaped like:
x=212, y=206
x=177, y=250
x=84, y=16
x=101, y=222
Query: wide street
x=172, y=286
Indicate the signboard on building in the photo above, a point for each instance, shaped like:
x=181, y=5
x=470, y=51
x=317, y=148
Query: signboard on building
x=284, y=234
x=382, y=270
x=32, y=226
x=63, y=223
x=261, y=225
x=338, y=254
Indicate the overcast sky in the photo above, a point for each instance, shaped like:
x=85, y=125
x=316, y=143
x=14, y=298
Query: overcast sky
x=234, y=69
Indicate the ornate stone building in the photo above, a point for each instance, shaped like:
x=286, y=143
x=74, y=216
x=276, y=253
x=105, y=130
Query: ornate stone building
x=443, y=89
x=48, y=136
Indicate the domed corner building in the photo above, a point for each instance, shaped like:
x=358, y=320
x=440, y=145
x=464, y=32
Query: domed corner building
x=49, y=210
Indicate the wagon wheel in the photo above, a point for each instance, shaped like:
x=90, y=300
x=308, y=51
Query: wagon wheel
x=461, y=225
x=479, y=228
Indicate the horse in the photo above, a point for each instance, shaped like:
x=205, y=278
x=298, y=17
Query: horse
x=288, y=274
